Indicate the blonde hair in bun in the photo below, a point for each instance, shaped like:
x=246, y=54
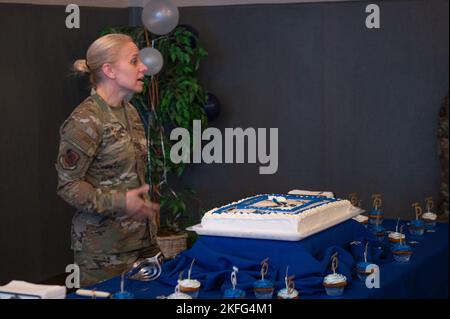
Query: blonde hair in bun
x=101, y=51
x=80, y=66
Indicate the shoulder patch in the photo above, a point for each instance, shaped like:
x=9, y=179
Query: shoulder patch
x=69, y=159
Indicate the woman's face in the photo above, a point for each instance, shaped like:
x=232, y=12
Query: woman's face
x=129, y=69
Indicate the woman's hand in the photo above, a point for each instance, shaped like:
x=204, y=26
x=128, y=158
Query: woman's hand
x=138, y=208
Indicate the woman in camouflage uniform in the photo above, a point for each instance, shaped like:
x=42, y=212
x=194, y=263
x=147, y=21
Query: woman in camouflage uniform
x=101, y=165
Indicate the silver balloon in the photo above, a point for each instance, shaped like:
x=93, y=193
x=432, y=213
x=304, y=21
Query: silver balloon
x=152, y=59
x=160, y=16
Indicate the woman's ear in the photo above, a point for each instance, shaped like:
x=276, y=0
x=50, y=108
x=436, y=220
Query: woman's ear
x=107, y=69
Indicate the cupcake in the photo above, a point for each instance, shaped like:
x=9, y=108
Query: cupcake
x=189, y=287
x=416, y=227
x=395, y=237
x=123, y=295
x=363, y=220
x=263, y=289
x=234, y=293
x=178, y=295
x=334, y=284
x=402, y=252
x=362, y=271
x=429, y=219
x=378, y=231
x=287, y=293
x=375, y=215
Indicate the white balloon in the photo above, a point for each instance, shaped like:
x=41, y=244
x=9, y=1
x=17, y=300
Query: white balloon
x=152, y=59
x=160, y=16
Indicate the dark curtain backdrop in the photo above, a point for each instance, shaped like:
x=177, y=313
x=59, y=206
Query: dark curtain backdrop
x=356, y=109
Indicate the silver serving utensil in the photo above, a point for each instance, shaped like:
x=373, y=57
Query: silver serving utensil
x=146, y=270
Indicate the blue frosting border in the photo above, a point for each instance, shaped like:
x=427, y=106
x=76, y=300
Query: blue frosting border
x=248, y=202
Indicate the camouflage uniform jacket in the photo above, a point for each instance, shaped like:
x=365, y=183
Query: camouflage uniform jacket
x=99, y=159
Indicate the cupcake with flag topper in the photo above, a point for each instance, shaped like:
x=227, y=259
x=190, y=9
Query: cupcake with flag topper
x=263, y=288
x=234, y=293
x=376, y=215
x=289, y=292
x=396, y=236
x=363, y=220
x=401, y=251
x=429, y=218
x=417, y=226
x=189, y=286
x=364, y=268
x=334, y=283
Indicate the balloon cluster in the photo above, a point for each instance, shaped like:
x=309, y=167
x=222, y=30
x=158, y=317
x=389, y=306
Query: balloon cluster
x=161, y=17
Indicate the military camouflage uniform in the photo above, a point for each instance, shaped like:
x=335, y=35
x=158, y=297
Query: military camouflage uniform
x=99, y=159
x=443, y=155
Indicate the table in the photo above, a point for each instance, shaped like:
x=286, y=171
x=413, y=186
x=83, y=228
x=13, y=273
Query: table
x=425, y=276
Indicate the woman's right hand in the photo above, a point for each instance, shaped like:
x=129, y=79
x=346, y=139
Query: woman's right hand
x=138, y=208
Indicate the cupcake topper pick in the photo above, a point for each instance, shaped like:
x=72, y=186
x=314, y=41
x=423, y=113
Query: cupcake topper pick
x=401, y=233
x=289, y=281
x=396, y=227
x=417, y=209
x=190, y=269
x=180, y=275
x=264, y=267
x=233, y=277
x=366, y=252
x=334, y=262
x=430, y=203
x=353, y=198
x=122, y=282
x=290, y=284
x=376, y=201
x=286, y=277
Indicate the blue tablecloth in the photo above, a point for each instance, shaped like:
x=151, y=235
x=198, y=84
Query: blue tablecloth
x=425, y=276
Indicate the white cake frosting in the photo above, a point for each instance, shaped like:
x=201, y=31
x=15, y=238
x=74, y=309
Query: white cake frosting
x=178, y=295
x=189, y=283
x=396, y=235
x=361, y=218
x=334, y=279
x=284, y=293
x=429, y=216
x=294, y=212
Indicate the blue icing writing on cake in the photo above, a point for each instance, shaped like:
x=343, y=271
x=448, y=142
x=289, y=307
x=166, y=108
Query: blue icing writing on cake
x=295, y=213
